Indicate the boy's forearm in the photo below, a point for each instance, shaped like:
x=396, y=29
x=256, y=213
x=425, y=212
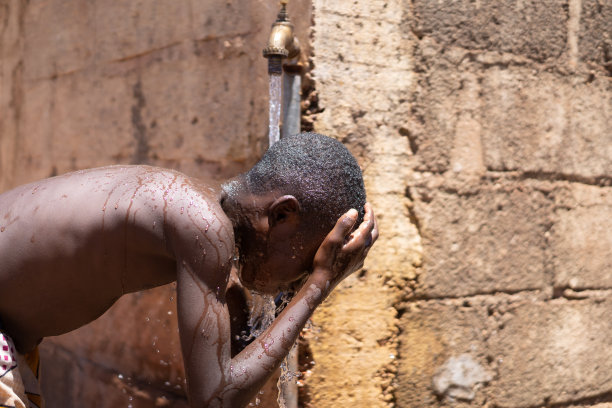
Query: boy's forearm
x=253, y=365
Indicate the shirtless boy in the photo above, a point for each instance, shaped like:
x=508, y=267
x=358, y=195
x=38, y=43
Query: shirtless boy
x=72, y=245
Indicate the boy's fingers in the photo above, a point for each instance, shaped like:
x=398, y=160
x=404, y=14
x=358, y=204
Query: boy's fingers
x=374, y=224
x=343, y=227
x=374, y=229
x=368, y=223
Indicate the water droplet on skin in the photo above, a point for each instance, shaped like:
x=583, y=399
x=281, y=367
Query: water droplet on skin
x=116, y=206
x=182, y=209
x=120, y=376
x=169, y=312
x=2, y=229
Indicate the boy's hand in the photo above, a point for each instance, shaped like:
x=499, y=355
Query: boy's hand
x=343, y=252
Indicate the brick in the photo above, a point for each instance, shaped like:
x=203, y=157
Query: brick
x=444, y=100
x=520, y=120
x=481, y=241
x=432, y=333
x=542, y=123
x=362, y=40
x=581, y=238
x=536, y=29
x=595, y=34
x=553, y=353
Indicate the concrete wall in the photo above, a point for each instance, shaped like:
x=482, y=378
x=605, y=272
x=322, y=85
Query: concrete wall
x=485, y=133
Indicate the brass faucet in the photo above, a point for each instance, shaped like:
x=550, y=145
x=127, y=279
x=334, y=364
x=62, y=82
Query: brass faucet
x=282, y=42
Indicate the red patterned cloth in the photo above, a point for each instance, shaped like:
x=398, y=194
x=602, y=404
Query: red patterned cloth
x=19, y=387
x=8, y=356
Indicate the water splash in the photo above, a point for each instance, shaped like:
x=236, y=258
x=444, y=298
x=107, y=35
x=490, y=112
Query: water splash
x=275, y=108
x=287, y=394
x=262, y=312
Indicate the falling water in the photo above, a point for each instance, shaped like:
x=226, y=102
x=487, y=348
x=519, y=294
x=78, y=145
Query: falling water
x=275, y=108
x=288, y=375
x=261, y=315
x=263, y=310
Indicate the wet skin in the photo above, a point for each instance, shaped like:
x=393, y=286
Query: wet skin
x=72, y=245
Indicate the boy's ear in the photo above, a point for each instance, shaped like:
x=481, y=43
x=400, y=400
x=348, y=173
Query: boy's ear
x=285, y=209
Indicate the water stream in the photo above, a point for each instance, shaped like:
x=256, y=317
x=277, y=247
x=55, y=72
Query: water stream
x=275, y=108
x=262, y=312
x=265, y=309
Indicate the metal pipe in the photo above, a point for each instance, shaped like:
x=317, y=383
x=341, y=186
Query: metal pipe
x=291, y=108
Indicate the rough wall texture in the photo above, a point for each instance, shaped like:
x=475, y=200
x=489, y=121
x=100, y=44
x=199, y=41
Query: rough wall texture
x=485, y=133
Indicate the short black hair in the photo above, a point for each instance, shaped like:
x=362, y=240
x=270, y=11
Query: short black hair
x=318, y=171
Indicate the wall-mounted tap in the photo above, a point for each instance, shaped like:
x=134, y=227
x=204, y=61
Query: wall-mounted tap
x=282, y=42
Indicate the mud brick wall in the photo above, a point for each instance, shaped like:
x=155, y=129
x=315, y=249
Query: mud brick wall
x=485, y=133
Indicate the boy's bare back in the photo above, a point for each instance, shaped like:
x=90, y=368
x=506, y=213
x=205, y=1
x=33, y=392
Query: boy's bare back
x=72, y=245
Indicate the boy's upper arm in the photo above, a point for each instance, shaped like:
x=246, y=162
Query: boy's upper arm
x=205, y=336
x=203, y=271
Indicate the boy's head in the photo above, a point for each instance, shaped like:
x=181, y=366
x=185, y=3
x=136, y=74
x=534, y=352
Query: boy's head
x=286, y=204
